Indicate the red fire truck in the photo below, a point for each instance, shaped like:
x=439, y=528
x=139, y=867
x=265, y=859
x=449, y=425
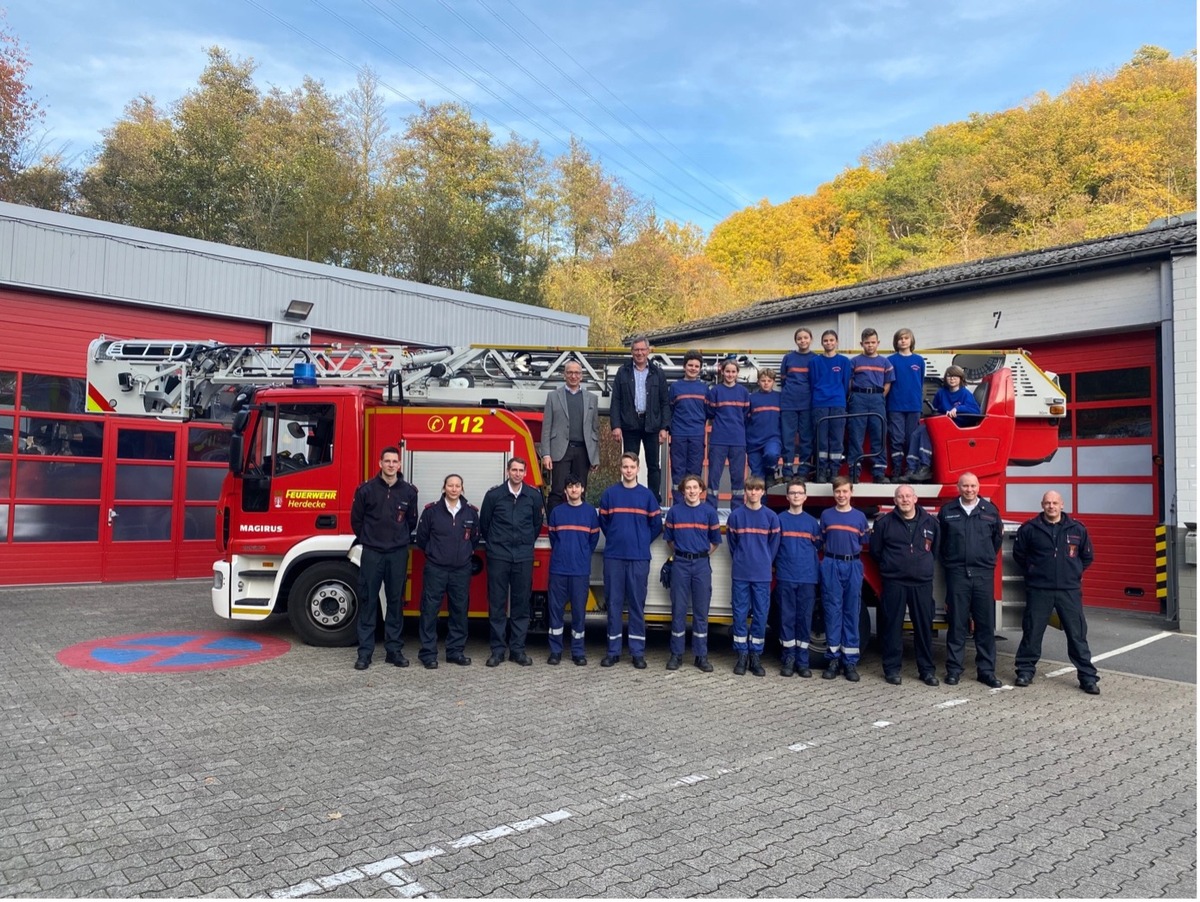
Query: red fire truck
x=308, y=424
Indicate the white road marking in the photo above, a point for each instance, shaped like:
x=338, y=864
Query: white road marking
x=690, y=780
x=389, y=869
x=1116, y=651
x=952, y=703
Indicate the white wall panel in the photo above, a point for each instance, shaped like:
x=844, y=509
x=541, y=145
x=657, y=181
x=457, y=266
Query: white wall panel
x=1022, y=497
x=1115, y=460
x=1118, y=498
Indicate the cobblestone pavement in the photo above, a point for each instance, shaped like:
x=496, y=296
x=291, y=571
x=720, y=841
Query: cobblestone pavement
x=299, y=777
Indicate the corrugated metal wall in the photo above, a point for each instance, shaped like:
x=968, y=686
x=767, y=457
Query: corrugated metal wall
x=77, y=256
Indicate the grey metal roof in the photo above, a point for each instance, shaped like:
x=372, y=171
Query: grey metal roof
x=1161, y=240
x=73, y=255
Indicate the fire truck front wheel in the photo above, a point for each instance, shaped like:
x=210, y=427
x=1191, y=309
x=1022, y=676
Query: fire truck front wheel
x=323, y=604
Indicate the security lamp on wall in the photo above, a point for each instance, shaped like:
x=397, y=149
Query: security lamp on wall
x=298, y=311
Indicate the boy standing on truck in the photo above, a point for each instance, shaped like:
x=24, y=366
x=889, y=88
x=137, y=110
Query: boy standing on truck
x=728, y=408
x=574, y=534
x=383, y=517
x=692, y=532
x=630, y=518
x=871, y=378
x=753, y=535
x=795, y=403
x=689, y=420
x=843, y=532
x=905, y=400
x=829, y=374
x=797, y=572
x=763, y=444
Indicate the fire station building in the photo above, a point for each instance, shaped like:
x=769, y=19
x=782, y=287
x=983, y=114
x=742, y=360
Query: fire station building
x=86, y=498
x=1115, y=319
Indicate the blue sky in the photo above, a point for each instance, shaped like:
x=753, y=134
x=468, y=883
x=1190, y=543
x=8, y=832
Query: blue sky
x=704, y=106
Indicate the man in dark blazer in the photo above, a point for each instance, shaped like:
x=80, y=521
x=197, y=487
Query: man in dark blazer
x=570, y=433
x=640, y=410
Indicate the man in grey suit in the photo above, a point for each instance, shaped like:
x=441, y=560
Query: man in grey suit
x=570, y=434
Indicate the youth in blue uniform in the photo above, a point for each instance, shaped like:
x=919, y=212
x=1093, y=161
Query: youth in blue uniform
x=689, y=420
x=797, y=572
x=574, y=534
x=753, y=535
x=763, y=444
x=843, y=533
x=630, y=518
x=829, y=375
x=906, y=398
x=692, y=532
x=795, y=403
x=871, y=377
x=728, y=408
x=952, y=400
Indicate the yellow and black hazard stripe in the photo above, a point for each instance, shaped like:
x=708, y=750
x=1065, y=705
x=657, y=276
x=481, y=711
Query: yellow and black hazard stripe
x=1160, y=563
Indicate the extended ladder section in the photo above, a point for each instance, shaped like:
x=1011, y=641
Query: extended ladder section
x=183, y=380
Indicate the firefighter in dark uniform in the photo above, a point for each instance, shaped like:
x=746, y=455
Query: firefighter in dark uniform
x=1052, y=551
x=510, y=520
x=448, y=533
x=904, y=542
x=383, y=516
x=972, y=533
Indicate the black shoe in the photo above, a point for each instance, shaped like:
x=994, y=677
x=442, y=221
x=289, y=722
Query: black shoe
x=756, y=667
x=396, y=659
x=851, y=673
x=988, y=679
x=702, y=663
x=460, y=660
x=362, y=663
x=924, y=474
x=555, y=658
x=832, y=669
x=739, y=668
x=1022, y=680
x=788, y=668
x=1090, y=688
x=494, y=660
x=803, y=672
x=674, y=661
x=430, y=665
x=580, y=661
x=893, y=678
x=522, y=659
x=953, y=678
x=929, y=680
x=639, y=663
x=610, y=660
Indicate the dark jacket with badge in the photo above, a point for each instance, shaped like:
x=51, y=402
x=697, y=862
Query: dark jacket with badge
x=970, y=542
x=905, y=555
x=383, y=517
x=1050, y=557
x=448, y=541
x=509, y=523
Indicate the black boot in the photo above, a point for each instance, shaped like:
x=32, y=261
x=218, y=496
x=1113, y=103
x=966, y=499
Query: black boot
x=756, y=667
x=739, y=669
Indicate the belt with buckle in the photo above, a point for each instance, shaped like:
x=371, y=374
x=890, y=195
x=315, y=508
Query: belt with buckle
x=843, y=557
x=689, y=556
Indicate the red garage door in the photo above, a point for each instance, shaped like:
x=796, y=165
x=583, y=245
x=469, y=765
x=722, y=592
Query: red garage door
x=86, y=498
x=1108, y=466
